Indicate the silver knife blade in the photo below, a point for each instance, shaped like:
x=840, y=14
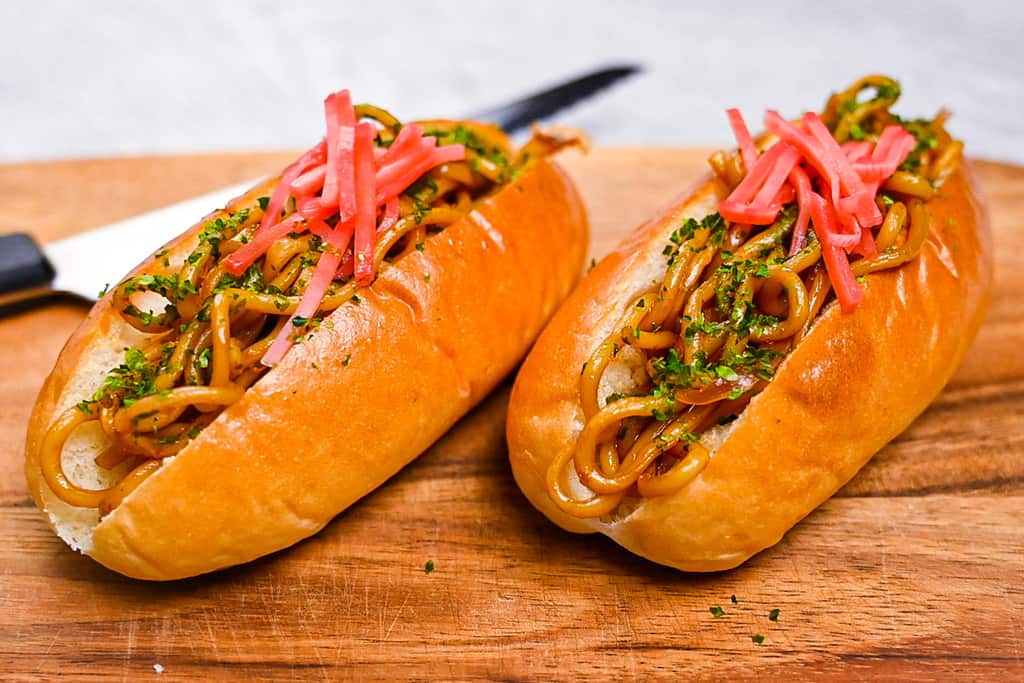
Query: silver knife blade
x=88, y=263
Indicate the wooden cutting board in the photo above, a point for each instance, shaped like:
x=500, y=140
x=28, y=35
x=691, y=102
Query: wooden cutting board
x=915, y=570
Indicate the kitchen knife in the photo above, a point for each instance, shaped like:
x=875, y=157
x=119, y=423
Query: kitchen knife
x=83, y=265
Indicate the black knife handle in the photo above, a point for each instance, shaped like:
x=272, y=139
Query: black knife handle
x=23, y=265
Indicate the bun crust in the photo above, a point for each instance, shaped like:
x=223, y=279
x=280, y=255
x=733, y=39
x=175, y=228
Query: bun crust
x=366, y=394
x=852, y=385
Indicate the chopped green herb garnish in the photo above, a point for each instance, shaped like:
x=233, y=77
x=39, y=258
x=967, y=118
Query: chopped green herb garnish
x=687, y=230
x=926, y=137
x=475, y=148
x=219, y=228
x=423, y=189
x=251, y=280
x=684, y=232
x=703, y=326
x=670, y=372
x=663, y=414
x=757, y=638
x=420, y=210
x=734, y=600
x=726, y=373
x=428, y=567
x=888, y=91
x=774, y=615
x=716, y=611
x=130, y=381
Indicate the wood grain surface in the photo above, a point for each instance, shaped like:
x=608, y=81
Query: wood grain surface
x=914, y=571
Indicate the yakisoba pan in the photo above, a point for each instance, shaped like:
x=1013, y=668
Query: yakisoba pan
x=289, y=353
x=739, y=357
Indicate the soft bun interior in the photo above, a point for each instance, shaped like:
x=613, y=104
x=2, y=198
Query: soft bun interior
x=75, y=525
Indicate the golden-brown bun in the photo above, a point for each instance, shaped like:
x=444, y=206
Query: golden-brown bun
x=343, y=411
x=853, y=384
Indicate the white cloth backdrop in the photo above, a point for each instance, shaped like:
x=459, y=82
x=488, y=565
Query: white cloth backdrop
x=82, y=78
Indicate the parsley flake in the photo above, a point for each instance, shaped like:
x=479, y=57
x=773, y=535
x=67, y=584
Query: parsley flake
x=726, y=373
